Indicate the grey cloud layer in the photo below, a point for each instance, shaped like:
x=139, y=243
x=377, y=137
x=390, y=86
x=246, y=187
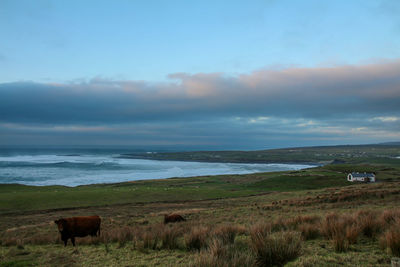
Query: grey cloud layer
x=314, y=93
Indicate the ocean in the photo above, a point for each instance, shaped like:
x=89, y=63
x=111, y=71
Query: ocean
x=82, y=167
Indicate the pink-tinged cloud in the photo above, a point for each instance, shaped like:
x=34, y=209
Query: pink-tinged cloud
x=371, y=90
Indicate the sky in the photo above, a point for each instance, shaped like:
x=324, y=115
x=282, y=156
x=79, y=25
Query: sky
x=199, y=74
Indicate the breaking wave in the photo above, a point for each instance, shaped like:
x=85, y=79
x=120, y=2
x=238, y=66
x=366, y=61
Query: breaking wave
x=78, y=169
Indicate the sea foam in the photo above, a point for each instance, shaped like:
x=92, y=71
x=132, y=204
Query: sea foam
x=80, y=169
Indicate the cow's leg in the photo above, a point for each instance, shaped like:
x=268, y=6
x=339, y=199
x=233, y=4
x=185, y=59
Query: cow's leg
x=73, y=241
x=99, y=231
x=65, y=242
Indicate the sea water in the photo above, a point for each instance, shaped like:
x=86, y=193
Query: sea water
x=93, y=167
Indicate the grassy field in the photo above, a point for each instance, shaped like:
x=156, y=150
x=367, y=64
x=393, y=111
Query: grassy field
x=21, y=198
x=313, y=217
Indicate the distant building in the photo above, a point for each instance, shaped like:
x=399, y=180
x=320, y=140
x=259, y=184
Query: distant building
x=361, y=177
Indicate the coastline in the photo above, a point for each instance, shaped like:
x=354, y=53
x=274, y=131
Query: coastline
x=76, y=170
x=221, y=160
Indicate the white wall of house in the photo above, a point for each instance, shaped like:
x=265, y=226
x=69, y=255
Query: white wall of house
x=351, y=178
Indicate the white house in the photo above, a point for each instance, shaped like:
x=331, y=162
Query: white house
x=361, y=177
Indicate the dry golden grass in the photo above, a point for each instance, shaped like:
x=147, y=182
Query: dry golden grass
x=169, y=236
x=388, y=217
x=341, y=229
x=294, y=222
x=340, y=242
x=220, y=254
x=322, y=227
x=260, y=228
x=350, y=194
x=309, y=231
x=369, y=223
x=391, y=239
x=331, y=225
x=150, y=239
x=227, y=233
x=275, y=249
x=197, y=238
x=352, y=233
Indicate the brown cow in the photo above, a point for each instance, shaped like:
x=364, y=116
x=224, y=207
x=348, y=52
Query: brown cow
x=173, y=218
x=78, y=227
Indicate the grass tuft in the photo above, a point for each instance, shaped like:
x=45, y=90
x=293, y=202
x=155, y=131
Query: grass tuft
x=197, y=238
x=220, y=254
x=226, y=233
x=275, y=249
x=309, y=231
x=391, y=239
x=169, y=237
x=369, y=223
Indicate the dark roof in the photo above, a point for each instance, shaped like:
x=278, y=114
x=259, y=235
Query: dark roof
x=357, y=174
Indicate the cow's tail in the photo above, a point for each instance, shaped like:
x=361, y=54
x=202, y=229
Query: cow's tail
x=99, y=230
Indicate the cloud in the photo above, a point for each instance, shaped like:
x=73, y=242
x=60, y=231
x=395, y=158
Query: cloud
x=340, y=101
x=386, y=119
x=312, y=93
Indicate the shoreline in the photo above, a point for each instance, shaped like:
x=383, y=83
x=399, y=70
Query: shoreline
x=311, y=163
x=81, y=171
x=168, y=178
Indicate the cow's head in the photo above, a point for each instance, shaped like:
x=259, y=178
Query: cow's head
x=60, y=224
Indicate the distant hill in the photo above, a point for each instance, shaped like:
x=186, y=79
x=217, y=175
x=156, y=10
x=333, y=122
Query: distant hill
x=376, y=153
x=390, y=144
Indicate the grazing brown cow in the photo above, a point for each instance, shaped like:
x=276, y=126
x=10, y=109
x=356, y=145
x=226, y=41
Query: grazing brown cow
x=78, y=227
x=173, y=218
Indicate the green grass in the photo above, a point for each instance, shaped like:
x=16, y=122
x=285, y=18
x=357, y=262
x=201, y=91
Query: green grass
x=39, y=198
x=244, y=211
x=27, y=212
x=14, y=198
x=296, y=183
x=369, y=158
x=18, y=263
x=20, y=198
x=91, y=255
